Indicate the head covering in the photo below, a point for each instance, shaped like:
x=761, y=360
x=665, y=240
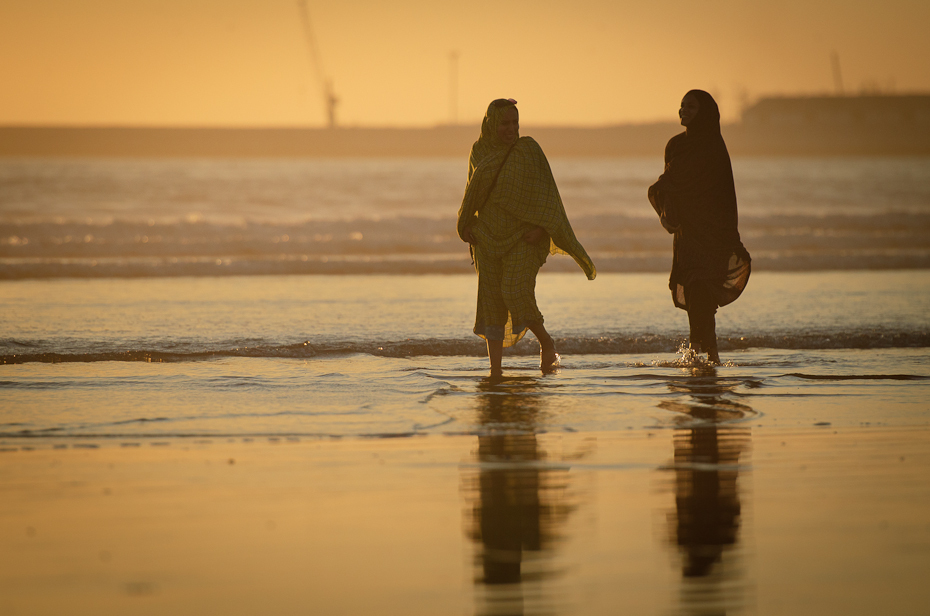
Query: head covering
x=488, y=142
x=492, y=118
x=698, y=158
x=707, y=120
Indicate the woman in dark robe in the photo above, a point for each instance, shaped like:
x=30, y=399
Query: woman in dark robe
x=696, y=200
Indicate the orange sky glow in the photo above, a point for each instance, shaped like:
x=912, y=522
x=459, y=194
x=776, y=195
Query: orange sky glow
x=568, y=62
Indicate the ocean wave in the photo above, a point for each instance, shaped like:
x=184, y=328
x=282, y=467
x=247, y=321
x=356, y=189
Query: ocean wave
x=422, y=244
x=857, y=377
x=473, y=347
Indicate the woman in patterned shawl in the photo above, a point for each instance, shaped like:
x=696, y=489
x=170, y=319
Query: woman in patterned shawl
x=696, y=200
x=513, y=218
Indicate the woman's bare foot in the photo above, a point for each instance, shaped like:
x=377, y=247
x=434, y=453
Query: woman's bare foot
x=548, y=358
x=549, y=362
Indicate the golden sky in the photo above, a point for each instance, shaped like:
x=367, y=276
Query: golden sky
x=586, y=62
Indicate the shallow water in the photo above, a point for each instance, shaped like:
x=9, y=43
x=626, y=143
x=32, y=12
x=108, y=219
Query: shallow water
x=402, y=316
x=376, y=355
x=361, y=395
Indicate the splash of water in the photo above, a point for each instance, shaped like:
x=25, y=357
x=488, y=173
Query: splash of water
x=689, y=358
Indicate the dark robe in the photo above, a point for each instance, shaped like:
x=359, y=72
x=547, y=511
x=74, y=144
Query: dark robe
x=696, y=200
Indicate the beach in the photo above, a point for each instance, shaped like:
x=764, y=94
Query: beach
x=246, y=404
x=158, y=463
x=797, y=521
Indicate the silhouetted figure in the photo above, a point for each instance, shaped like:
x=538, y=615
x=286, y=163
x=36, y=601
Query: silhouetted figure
x=513, y=218
x=696, y=200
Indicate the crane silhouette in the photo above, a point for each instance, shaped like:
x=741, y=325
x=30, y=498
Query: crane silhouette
x=325, y=83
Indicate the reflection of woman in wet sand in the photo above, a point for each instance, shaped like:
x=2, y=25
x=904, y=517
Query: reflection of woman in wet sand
x=707, y=514
x=518, y=509
x=513, y=218
x=696, y=200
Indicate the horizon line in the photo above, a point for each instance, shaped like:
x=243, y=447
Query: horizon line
x=323, y=128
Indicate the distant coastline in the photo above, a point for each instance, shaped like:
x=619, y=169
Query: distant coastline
x=784, y=126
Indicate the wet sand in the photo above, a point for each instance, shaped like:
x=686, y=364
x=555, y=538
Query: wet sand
x=710, y=518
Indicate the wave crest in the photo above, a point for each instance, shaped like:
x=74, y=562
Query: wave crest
x=472, y=347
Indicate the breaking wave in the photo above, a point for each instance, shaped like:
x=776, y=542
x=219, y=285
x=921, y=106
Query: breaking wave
x=74, y=218
x=422, y=245
x=18, y=353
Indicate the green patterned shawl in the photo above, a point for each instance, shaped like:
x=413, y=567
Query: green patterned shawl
x=525, y=194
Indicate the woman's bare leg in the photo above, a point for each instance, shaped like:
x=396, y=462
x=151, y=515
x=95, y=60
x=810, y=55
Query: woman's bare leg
x=701, y=310
x=547, y=354
x=713, y=356
x=495, y=353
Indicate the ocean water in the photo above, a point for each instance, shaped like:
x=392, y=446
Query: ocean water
x=124, y=308
x=134, y=218
x=388, y=355
x=239, y=384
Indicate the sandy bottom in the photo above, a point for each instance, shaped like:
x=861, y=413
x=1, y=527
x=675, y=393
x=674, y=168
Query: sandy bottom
x=704, y=520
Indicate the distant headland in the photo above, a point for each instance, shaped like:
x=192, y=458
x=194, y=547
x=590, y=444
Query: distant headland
x=786, y=126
